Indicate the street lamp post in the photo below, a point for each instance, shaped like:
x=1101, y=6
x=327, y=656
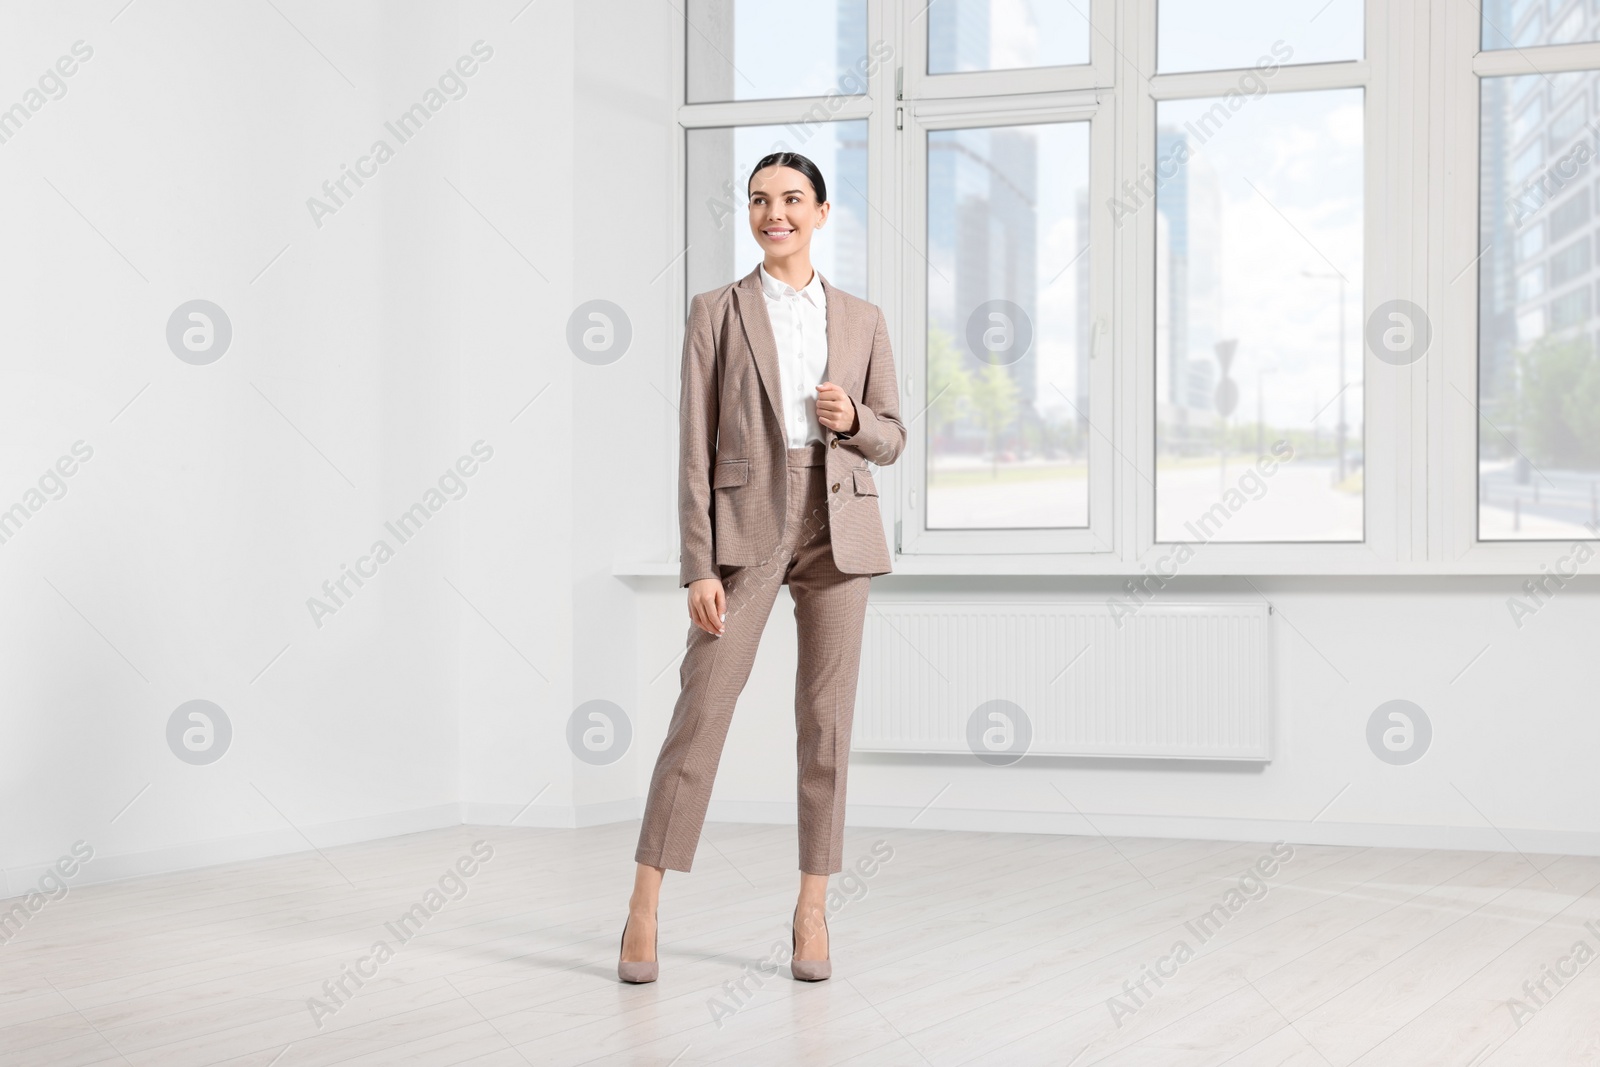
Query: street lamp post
x=1260, y=371
x=1226, y=398
x=1341, y=429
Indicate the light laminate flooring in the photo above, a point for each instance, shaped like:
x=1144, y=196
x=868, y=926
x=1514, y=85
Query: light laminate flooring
x=953, y=948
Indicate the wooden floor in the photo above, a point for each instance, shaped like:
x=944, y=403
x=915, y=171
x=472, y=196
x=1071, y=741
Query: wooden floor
x=959, y=948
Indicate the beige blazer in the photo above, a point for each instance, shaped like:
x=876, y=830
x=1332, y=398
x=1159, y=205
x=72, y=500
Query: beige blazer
x=733, y=446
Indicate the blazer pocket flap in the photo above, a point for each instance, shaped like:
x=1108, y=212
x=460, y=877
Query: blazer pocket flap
x=730, y=472
x=864, y=486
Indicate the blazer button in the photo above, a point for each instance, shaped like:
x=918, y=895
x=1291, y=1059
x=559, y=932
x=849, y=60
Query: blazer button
x=835, y=487
x=833, y=444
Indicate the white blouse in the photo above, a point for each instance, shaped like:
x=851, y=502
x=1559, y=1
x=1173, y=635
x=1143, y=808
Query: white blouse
x=800, y=328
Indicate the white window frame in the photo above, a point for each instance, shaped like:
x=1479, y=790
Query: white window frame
x=921, y=118
x=1385, y=442
x=1098, y=73
x=1419, y=77
x=1454, y=480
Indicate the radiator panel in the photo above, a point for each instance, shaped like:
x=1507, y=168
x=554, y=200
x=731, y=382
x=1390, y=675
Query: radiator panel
x=1183, y=681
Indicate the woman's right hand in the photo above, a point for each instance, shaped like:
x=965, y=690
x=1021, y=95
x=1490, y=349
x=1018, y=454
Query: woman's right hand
x=708, y=605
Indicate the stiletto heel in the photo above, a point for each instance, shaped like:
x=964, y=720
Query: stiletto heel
x=642, y=971
x=809, y=970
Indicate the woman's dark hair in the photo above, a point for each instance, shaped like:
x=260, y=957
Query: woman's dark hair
x=799, y=163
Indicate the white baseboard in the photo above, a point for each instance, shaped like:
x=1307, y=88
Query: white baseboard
x=1295, y=831
x=552, y=816
x=20, y=880
x=104, y=867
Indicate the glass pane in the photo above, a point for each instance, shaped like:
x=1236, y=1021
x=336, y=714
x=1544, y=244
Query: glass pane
x=1529, y=23
x=1235, y=34
x=758, y=50
x=720, y=161
x=1538, y=373
x=1008, y=327
x=965, y=35
x=1258, y=318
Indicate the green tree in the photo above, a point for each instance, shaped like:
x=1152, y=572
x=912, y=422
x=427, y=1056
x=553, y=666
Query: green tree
x=995, y=396
x=1558, y=409
x=949, y=382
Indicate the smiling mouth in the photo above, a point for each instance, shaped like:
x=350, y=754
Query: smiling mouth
x=778, y=235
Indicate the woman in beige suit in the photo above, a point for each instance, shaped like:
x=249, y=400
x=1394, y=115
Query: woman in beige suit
x=788, y=390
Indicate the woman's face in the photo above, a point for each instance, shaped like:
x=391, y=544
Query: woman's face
x=784, y=211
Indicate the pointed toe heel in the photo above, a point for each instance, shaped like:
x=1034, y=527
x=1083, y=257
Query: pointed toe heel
x=809, y=970
x=636, y=972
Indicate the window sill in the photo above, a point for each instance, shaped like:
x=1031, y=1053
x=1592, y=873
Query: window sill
x=1240, y=560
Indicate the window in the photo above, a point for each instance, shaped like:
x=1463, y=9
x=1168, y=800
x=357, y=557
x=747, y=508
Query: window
x=1522, y=23
x=1259, y=267
x=1232, y=277
x=1233, y=34
x=1528, y=161
x=1008, y=292
x=1008, y=327
x=1570, y=309
x=1538, y=374
x=1529, y=244
x=1566, y=125
x=1569, y=263
x=966, y=36
x=1530, y=283
x=731, y=53
x=1569, y=215
x=1528, y=119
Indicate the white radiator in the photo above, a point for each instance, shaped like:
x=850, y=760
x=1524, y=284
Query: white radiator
x=1185, y=681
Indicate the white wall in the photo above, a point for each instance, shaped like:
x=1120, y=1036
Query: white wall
x=370, y=355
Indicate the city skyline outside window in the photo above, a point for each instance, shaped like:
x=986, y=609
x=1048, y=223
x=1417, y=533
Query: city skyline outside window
x=1259, y=298
x=1538, y=372
x=1008, y=341
x=731, y=53
x=1193, y=35
x=973, y=35
x=1532, y=23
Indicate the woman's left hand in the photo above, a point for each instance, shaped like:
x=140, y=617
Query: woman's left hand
x=835, y=409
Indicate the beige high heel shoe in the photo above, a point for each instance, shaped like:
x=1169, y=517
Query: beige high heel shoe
x=641, y=971
x=809, y=970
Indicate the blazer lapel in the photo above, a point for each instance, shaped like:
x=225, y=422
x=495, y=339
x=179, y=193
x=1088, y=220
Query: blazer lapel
x=758, y=335
x=839, y=355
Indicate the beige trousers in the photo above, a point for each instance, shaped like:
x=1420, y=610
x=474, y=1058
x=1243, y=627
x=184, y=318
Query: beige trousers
x=829, y=609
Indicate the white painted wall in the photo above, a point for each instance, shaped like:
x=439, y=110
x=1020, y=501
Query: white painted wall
x=369, y=356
